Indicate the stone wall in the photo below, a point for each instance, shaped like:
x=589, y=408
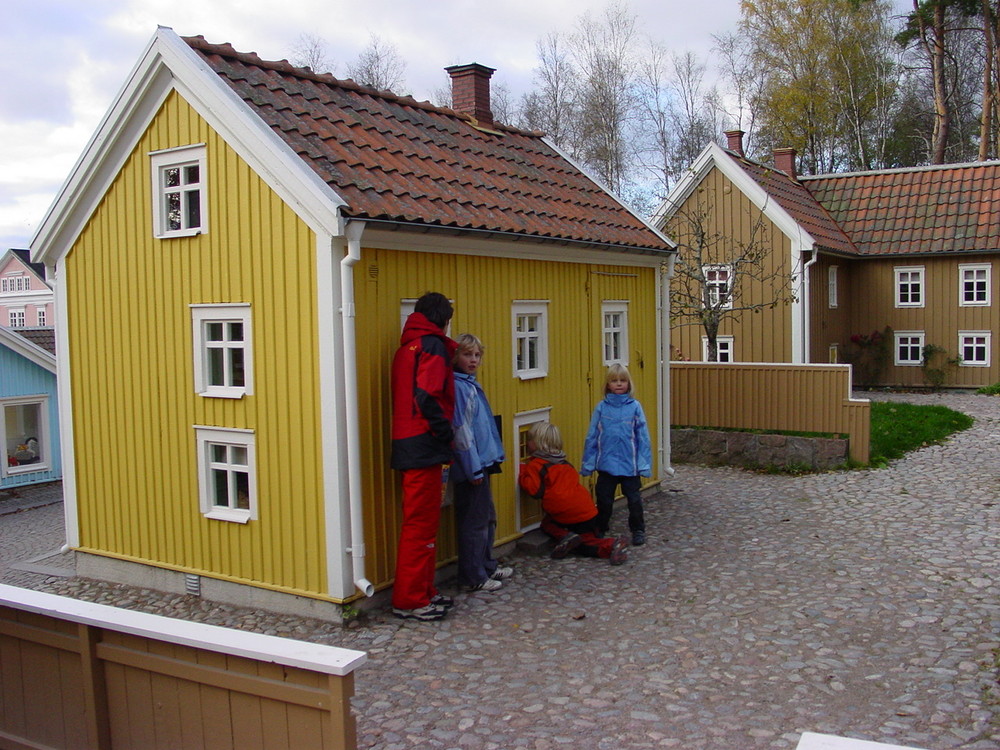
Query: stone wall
x=718, y=447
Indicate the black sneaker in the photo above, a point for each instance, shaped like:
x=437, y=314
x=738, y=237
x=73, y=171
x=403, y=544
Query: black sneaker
x=440, y=600
x=429, y=613
x=638, y=538
x=569, y=542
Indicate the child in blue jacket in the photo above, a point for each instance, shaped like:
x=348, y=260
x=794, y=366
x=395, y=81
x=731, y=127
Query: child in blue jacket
x=478, y=454
x=617, y=446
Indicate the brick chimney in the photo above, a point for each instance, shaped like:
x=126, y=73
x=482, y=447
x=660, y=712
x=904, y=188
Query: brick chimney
x=784, y=159
x=734, y=141
x=470, y=91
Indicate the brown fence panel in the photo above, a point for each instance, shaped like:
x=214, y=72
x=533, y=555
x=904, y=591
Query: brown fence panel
x=81, y=675
x=754, y=396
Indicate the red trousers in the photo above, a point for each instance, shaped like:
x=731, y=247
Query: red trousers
x=591, y=544
x=416, y=556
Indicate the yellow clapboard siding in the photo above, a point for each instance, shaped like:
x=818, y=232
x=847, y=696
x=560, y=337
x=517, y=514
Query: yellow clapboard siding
x=132, y=376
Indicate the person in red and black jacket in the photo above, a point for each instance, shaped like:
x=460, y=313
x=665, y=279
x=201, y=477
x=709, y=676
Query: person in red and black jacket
x=423, y=402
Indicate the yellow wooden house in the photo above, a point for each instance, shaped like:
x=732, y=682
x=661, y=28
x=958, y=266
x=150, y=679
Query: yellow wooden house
x=908, y=250
x=233, y=257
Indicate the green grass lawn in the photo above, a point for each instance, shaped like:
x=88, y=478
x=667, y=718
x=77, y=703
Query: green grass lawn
x=899, y=428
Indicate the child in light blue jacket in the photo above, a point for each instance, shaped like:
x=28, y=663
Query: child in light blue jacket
x=617, y=446
x=478, y=454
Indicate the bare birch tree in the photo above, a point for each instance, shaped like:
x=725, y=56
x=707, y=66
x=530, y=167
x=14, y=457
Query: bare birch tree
x=310, y=51
x=378, y=65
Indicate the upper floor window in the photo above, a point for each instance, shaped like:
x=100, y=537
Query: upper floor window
x=529, y=327
x=223, y=350
x=16, y=318
x=909, y=347
x=723, y=349
x=40, y=316
x=974, y=348
x=831, y=284
x=974, y=284
x=18, y=282
x=227, y=475
x=718, y=286
x=614, y=327
x=910, y=286
x=179, y=198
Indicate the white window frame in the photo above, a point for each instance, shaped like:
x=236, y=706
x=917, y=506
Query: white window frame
x=831, y=285
x=160, y=162
x=44, y=439
x=15, y=317
x=963, y=336
x=520, y=420
x=520, y=309
x=975, y=268
x=898, y=336
x=723, y=345
x=614, y=337
x=201, y=317
x=915, y=276
x=12, y=283
x=40, y=316
x=205, y=439
x=714, y=286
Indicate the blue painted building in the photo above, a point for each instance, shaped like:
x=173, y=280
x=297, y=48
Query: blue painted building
x=29, y=408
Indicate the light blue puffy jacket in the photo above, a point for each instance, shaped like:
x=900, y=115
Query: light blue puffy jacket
x=618, y=439
x=477, y=441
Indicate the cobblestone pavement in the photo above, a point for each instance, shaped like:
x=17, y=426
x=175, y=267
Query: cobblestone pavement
x=860, y=603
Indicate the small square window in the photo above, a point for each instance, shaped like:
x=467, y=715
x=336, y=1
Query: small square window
x=529, y=326
x=614, y=326
x=974, y=348
x=909, y=347
x=974, y=284
x=227, y=473
x=723, y=348
x=24, y=431
x=222, y=350
x=910, y=286
x=179, y=196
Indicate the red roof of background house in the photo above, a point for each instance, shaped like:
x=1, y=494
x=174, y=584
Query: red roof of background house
x=44, y=337
x=395, y=159
x=946, y=208
x=799, y=203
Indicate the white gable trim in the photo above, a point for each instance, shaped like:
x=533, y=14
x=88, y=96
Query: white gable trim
x=28, y=349
x=168, y=63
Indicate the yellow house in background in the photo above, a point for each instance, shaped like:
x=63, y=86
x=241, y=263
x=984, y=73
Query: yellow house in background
x=233, y=257
x=911, y=250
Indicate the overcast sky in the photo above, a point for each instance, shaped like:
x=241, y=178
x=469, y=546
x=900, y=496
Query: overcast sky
x=63, y=61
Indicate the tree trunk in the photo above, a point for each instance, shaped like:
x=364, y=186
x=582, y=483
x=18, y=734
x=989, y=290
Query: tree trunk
x=986, y=122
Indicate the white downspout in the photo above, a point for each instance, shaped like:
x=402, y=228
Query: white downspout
x=666, y=272
x=347, y=312
x=806, y=275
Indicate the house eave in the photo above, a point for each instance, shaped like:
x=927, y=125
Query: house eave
x=27, y=349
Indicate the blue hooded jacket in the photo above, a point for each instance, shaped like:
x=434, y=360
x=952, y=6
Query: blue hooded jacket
x=618, y=439
x=478, y=450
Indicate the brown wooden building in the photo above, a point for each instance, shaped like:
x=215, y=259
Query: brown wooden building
x=911, y=250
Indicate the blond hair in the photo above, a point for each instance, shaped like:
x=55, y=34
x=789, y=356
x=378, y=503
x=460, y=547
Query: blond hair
x=617, y=372
x=546, y=438
x=466, y=342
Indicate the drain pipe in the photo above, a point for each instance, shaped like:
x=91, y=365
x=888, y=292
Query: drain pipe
x=666, y=272
x=347, y=312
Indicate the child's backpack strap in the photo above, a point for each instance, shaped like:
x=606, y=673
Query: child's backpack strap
x=542, y=473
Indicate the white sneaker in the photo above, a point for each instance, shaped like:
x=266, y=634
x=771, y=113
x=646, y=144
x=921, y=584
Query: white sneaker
x=490, y=584
x=502, y=574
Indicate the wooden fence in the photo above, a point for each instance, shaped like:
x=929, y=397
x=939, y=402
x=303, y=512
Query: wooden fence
x=75, y=674
x=754, y=396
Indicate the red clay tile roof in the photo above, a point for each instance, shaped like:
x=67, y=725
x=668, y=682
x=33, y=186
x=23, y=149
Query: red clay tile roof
x=800, y=205
x=43, y=337
x=393, y=158
x=947, y=208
